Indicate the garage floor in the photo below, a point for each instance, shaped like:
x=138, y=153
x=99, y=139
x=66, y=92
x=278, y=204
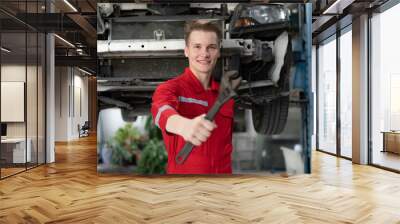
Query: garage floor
x=71, y=191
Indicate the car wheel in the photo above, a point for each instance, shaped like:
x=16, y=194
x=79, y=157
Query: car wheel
x=271, y=118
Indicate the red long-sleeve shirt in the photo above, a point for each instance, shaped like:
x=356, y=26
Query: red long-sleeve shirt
x=184, y=95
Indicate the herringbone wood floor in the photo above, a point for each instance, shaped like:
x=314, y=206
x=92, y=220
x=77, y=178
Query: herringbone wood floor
x=70, y=191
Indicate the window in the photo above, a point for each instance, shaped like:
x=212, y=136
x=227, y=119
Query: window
x=385, y=85
x=327, y=96
x=346, y=93
x=22, y=76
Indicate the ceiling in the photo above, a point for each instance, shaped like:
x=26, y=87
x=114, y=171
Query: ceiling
x=72, y=20
x=330, y=15
x=76, y=23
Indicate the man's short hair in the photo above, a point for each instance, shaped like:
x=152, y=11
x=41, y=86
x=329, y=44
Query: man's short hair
x=202, y=25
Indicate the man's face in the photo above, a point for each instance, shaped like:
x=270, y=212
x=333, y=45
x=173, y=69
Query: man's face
x=202, y=50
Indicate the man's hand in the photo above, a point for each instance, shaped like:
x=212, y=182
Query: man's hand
x=195, y=131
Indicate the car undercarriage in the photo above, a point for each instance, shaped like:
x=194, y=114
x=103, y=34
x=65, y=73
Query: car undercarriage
x=141, y=45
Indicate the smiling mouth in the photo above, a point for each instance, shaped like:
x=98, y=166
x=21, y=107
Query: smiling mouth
x=204, y=62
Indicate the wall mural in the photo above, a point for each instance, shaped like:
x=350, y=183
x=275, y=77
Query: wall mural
x=244, y=68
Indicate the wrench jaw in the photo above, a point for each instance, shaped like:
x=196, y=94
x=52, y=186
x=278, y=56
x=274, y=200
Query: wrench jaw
x=229, y=83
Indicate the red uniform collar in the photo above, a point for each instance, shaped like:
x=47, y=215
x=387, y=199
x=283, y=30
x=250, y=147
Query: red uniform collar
x=197, y=86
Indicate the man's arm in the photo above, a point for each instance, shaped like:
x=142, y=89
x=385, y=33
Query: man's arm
x=166, y=117
x=195, y=131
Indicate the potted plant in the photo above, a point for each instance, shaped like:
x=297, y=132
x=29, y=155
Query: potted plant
x=154, y=157
x=124, y=145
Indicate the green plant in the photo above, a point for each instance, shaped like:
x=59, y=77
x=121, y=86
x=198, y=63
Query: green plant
x=152, y=130
x=124, y=144
x=153, y=158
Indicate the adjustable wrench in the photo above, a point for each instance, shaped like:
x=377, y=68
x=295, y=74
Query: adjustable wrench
x=229, y=83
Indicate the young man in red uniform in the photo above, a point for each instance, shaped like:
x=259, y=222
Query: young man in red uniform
x=180, y=104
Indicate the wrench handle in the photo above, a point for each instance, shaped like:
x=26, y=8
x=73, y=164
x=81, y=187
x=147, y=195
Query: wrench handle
x=214, y=110
x=187, y=149
x=184, y=153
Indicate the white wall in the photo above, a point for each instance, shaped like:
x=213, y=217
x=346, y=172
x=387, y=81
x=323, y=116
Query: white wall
x=61, y=103
x=70, y=83
x=80, y=93
x=17, y=73
x=13, y=73
x=33, y=126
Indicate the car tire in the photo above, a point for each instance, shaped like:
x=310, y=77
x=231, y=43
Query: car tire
x=270, y=119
